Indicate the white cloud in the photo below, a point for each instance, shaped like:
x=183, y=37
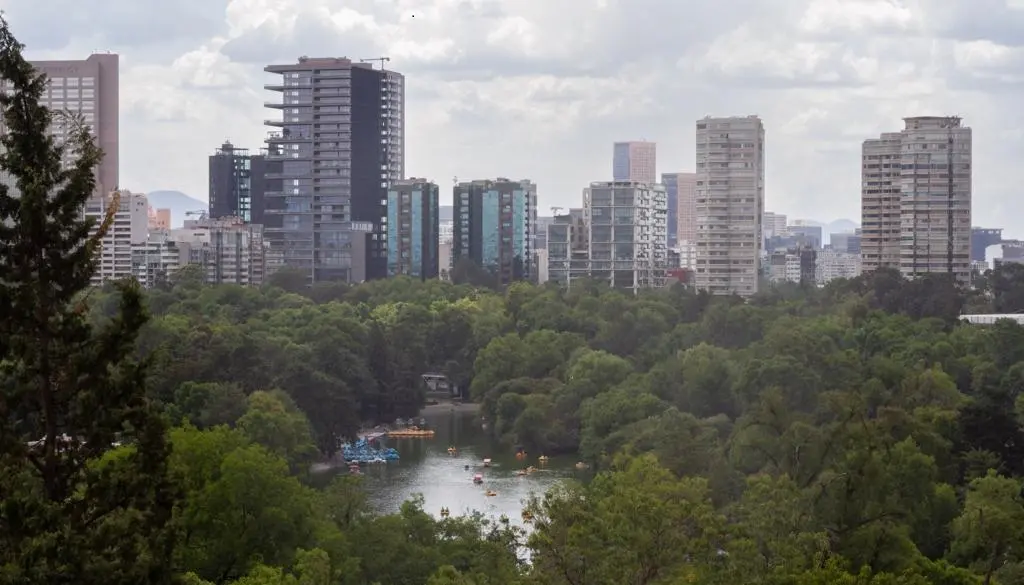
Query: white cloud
x=540, y=89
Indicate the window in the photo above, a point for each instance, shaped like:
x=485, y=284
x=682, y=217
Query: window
x=88, y=93
x=72, y=82
x=87, y=105
x=88, y=81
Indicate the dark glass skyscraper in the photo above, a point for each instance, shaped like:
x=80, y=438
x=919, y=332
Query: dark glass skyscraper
x=236, y=184
x=340, y=145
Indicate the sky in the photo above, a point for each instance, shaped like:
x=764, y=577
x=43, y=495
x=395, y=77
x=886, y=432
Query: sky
x=540, y=89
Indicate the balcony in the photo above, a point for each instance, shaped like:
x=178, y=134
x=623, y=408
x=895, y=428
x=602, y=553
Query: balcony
x=276, y=123
x=274, y=86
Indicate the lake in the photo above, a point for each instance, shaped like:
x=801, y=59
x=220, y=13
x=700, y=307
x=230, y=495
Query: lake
x=426, y=467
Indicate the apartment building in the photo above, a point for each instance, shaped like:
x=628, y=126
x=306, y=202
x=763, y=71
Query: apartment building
x=228, y=250
x=880, y=201
x=496, y=225
x=627, y=223
x=774, y=224
x=129, y=228
x=916, y=199
x=568, y=251
x=88, y=88
x=635, y=161
x=729, y=204
x=413, y=229
x=680, y=190
x=834, y=263
x=159, y=219
x=338, y=145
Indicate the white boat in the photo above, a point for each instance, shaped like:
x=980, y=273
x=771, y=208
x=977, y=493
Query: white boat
x=487, y=462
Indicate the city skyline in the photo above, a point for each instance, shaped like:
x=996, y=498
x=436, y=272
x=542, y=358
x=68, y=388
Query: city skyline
x=521, y=108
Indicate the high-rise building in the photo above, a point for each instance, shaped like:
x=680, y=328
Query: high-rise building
x=413, y=229
x=729, y=204
x=237, y=183
x=340, y=145
x=568, y=251
x=680, y=189
x=806, y=234
x=773, y=224
x=916, y=199
x=845, y=243
x=635, y=161
x=495, y=226
x=129, y=228
x=90, y=88
x=880, y=201
x=627, y=223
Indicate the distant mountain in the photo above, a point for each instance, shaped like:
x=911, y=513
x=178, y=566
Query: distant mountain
x=178, y=202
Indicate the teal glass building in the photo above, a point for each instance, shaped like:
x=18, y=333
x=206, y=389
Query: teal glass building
x=412, y=229
x=495, y=226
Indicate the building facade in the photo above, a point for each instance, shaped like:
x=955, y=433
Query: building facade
x=981, y=239
x=413, y=229
x=773, y=224
x=568, y=251
x=880, y=201
x=729, y=204
x=495, y=224
x=680, y=189
x=88, y=88
x=129, y=228
x=237, y=183
x=627, y=223
x=635, y=161
x=916, y=199
x=845, y=242
x=339, y=144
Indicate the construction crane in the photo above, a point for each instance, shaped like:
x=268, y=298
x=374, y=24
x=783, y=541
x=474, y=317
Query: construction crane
x=382, y=60
x=201, y=213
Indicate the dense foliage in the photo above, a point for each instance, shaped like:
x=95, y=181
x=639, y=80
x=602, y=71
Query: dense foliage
x=855, y=430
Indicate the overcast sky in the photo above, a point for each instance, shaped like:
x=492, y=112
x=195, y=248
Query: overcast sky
x=540, y=89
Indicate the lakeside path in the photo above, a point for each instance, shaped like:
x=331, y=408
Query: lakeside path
x=452, y=407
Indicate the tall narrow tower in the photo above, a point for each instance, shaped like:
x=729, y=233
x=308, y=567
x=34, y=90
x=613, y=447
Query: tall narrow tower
x=729, y=204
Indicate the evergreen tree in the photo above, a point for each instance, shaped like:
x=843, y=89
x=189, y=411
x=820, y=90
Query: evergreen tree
x=73, y=507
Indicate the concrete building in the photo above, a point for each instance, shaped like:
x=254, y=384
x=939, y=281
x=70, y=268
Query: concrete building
x=541, y=241
x=880, y=201
x=340, y=144
x=729, y=204
x=90, y=88
x=916, y=199
x=496, y=226
x=833, y=264
x=774, y=224
x=129, y=227
x=237, y=184
x=413, y=229
x=159, y=219
x=635, y=161
x=680, y=189
x=568, y=251
x=228, y=250
x=627, y=223
x=935, y=212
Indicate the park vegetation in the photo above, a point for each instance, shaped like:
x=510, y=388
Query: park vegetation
x=854, y=434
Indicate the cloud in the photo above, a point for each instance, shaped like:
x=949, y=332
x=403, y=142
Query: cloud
x=539, y=89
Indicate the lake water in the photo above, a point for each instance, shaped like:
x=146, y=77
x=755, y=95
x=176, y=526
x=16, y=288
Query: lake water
x=427, y=468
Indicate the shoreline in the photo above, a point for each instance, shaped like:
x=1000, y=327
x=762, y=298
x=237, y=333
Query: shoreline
x=450, y=407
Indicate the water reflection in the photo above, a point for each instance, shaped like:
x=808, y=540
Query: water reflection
x=426, y=467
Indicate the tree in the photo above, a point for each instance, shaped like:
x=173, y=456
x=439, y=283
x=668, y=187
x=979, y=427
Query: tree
x=70, y=390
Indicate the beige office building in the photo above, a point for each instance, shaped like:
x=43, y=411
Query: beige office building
x=916, y=199
x=89, y=87
x=729, y=204
x=685, y=209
